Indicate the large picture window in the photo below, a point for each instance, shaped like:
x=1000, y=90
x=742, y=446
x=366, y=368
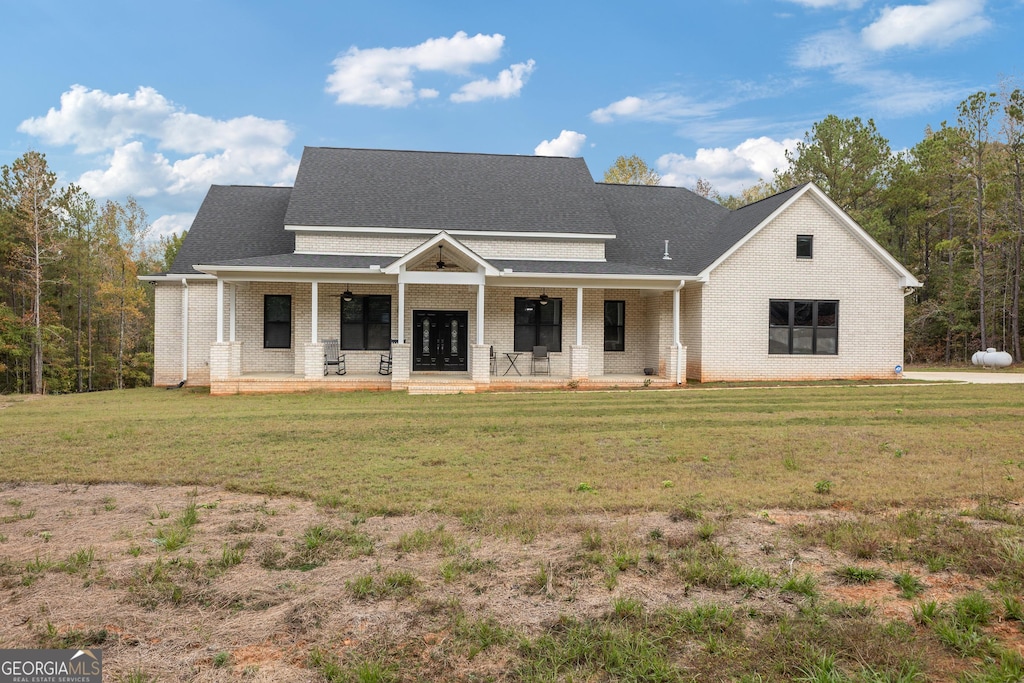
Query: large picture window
x=614, y=325
x=538, y=324
x=803, y=327
x=277, y=321
x=366, y=323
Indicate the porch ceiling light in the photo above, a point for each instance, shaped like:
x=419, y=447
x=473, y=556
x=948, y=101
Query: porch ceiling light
x=440, y=257
x=347, y=295
x=543, y=300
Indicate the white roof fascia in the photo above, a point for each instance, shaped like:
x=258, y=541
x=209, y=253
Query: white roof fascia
x=590, y=280
x=551, y=259
x=174, y=277
x=907, y=278
x=443, y=236
x=280, y=274
x=346, y=253
x=464, y=233
x=503, y=258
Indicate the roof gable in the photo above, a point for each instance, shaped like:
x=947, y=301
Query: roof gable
x=442, y=239
x=741, y=225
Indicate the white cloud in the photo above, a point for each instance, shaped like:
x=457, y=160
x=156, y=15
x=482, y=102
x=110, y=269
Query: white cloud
x=657, y=108
x=567, y=144
x=900, y=94
x=829, y=49
x=728, y=170
x=130, y=170
x=383, y=77
x=939, y=22
x=152, y=148
x=170, y=224
x=508, y=84
x=820, y=4
x=853, y=57
x=93, y=120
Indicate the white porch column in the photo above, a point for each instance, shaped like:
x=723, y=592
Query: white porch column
x=579, y=354
x=579, y=316
x=675, y=336
x=314, y=312
x=220, y=353
x=220, y=311
x=232, y=307
x=480, y=315
x=401, y=312
x=235, y=353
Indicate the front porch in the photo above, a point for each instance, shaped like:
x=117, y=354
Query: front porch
x=427, y=383
x=457, y=325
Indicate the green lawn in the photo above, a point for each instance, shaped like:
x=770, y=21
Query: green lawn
x=551, y=452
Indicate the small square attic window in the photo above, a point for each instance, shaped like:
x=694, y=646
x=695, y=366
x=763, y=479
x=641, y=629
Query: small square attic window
x=805, y=246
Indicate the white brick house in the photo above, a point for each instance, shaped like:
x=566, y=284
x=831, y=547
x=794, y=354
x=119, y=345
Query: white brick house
x=437, y=259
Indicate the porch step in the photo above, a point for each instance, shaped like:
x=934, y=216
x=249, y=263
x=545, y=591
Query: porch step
x=442, y=388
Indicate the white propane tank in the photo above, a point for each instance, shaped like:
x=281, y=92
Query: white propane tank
x=990, y=358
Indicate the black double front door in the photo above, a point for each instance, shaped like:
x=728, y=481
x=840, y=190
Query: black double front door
x=439, y=340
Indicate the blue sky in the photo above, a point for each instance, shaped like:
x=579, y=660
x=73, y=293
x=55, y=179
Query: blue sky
x=160, y=100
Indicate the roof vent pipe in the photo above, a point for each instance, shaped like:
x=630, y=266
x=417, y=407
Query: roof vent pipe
x=666, y=257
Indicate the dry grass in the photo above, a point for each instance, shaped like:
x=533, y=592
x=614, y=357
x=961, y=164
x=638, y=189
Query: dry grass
x=602, y=596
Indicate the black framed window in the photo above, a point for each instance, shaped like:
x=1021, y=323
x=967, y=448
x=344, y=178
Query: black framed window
x=538, y=324
x=803, y=327
x=805, y=246
x=277, y=321
x=614, y=325
x=366, y=322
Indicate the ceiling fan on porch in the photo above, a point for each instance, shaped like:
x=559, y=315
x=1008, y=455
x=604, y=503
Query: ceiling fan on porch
x=440, y=257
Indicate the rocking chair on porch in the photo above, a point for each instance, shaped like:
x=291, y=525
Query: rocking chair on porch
x=333, y=356
x=385, y=360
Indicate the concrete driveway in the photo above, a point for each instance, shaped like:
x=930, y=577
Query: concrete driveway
x=968, y=377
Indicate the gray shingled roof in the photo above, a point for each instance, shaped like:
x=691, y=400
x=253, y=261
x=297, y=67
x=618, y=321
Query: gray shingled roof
x=236, y=222
x=646, y=216
x=698, y=230
x=244, y=226
x=445, y=191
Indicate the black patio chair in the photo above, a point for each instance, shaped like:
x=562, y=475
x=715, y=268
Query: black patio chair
x=541, y=359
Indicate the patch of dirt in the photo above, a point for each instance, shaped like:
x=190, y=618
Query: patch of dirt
x=84, y=565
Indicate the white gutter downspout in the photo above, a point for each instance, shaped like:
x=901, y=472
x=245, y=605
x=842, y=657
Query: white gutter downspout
x=184, y=330
x=579, y=316
x=675, y=334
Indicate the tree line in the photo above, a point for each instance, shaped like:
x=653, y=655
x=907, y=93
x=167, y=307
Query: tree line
x=950, y=208
x=73, y=315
